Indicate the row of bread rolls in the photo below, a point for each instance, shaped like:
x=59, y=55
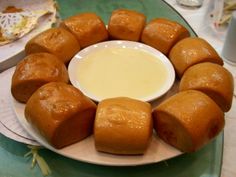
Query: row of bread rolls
x=63, y=115
x=162, y=34
x=195, y=115
x=82, y=30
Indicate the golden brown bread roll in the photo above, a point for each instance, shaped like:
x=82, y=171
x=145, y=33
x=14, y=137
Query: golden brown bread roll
x=61, y=113
x=87, y=27
x=126, y=24
x=191, y=51
x=162, y=34
x=34, y=71
x=212, y=79
x=123, y=126
x=57, y=41
x=188, y=120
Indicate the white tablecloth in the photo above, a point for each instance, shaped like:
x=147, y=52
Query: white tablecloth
x=199, y=20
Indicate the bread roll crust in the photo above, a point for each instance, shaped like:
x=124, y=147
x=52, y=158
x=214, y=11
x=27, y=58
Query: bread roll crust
x=34, y=71
x=126, y=25
x=87, y=27
x=162, y=34
x=123, y=126
x=212, y=79
x=191, y=51
x=61, y=113
x=57, y=41
x=188, y=120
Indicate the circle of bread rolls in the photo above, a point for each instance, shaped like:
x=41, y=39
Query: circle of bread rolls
x=187, y=120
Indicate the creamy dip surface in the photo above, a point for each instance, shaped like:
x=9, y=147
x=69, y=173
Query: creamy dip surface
x=117, y=71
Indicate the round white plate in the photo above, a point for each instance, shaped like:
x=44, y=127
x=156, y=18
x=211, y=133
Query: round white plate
x=85, y=150
x=73, y=66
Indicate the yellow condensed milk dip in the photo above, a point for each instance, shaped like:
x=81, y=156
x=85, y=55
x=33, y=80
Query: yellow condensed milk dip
x=116, y=71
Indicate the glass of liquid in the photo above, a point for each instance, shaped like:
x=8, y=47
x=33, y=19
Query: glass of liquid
x=190, y=3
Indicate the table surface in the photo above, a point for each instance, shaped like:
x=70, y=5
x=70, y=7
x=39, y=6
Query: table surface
x=197, y=20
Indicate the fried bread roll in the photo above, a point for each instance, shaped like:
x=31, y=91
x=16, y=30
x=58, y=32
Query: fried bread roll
x=188, y=120
x=60, y=113
x=126, y=25
x=123, y=126
x=57, y=41
x=87, y=27
x=191, y=51
x=34, y=71
x=162, y=34
x=212, y=79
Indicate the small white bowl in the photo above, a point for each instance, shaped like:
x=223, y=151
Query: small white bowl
x=73, y=67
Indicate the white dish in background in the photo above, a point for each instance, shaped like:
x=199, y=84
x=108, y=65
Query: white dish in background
x=121, y=68
x=12, y=52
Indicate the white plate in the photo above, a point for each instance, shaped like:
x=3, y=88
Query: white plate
x=85, y=150
x=73, y=66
